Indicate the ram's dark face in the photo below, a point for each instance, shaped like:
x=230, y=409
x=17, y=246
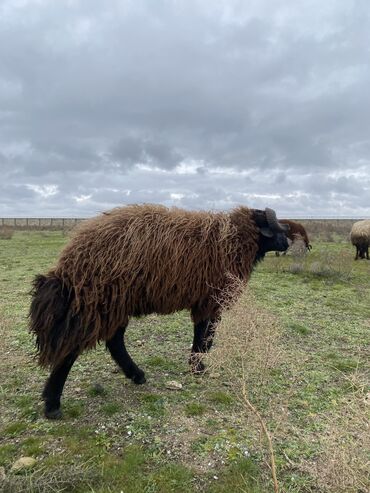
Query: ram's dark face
x=273, y=235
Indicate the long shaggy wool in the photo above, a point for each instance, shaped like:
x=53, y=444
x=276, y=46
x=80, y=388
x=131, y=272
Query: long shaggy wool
x=134, y=261
x=360, y=232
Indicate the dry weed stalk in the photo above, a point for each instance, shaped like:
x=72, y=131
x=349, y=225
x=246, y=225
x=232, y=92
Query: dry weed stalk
x=247, y=349
x=262, y=423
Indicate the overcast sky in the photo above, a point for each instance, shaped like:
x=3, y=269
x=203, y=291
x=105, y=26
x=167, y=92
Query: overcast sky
x=199, y=104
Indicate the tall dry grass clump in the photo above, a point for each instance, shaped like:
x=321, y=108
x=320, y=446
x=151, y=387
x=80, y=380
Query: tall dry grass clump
x=6, y=233
x=323, y=264
x=334, y=266
x=75, y=477
x=247, y=337
x=298, y=248
x=328, y=229
x=247, y=350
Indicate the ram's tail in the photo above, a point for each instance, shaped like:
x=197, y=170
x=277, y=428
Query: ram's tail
x=50, y=319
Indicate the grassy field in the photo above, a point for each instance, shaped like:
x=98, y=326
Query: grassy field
x=115, y=436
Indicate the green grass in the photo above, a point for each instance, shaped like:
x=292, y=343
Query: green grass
x=195, y=409
x=219, y=397
x=7, y=453
x=118, y=436
x=32, y=446
x=154, y=404
x=111, y=408
x=299, y=328
x=14, y=429
x=239, y=477
x=97, y=390
x=73, y=408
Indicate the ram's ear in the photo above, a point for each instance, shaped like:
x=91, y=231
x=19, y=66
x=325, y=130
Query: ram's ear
x=266, y=232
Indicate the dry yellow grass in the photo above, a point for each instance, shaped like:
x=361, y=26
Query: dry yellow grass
x=247, y=349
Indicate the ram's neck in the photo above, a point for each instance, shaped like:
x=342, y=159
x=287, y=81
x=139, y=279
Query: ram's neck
x=246, y=237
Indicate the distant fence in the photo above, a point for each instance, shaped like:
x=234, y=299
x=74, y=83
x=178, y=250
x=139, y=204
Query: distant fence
x=65, y=222
x=313, y=225
x=39, y=222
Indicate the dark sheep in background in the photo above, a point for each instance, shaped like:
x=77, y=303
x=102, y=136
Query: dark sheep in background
x=137, y=260
x=360, y=238
x=296, y=232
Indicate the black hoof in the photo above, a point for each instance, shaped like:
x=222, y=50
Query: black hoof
x=139, y=378
x=196, y=365
x=198, y=369
x=53, y=414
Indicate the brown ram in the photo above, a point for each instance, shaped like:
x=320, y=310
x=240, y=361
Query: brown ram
x=137, y=260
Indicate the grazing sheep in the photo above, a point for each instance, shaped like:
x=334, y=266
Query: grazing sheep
x=360, y=238
x=137, y=260
x=296, y=232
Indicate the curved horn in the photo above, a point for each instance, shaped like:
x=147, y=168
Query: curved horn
x=274, y=223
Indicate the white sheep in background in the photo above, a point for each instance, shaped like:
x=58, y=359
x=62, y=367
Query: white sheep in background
x=360, y=238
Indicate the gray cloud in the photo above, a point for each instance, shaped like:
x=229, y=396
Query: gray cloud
x=184, y=102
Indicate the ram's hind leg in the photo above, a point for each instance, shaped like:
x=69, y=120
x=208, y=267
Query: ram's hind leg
x=118, y=351
x=54, y=386
x=204, y=332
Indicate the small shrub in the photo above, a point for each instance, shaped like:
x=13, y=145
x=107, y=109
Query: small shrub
x=96, y=390
x=316, y=268
x=247, y=350
x=247, y=343
x=329, y=237
x=298, y=248
x=296, y=268
x=6, y=233
x=332, y=266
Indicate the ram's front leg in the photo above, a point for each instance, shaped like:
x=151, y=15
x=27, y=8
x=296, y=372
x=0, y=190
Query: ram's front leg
x=204, y=332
